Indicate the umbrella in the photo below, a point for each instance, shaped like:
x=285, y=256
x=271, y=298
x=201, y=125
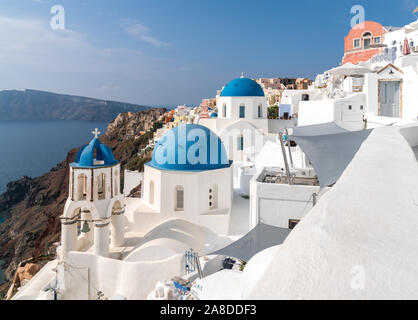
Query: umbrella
x=406, y=49
x=349, y=69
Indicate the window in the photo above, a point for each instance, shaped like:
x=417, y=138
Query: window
x=242, y=111
x=151, y=192
x=350, y=107
x=361, y=107
x=240, y=143
x=357, y=43
x=179, y=198
x=101, y=186
x=82, y=187
x=305, y=97
x=260, y=111
x=377, y=40
x=293, y=223
x=224, y=111
x=367, y=40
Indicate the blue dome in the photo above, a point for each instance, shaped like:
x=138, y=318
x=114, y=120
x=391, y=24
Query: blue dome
x=189, y=147
x=242, y=87
x=85, y=156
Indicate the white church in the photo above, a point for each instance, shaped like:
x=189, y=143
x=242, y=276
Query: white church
x=190, y=178
x=242, y=120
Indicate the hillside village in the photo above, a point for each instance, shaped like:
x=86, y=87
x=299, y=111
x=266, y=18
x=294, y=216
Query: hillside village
x=273, y=189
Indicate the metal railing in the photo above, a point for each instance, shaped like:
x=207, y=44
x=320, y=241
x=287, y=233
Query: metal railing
x=192, y=263
x=190, y=257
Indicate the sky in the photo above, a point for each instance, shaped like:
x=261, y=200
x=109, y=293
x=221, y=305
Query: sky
x=166, y=52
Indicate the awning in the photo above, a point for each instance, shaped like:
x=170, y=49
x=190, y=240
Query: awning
x=329, y=148
x=318, y=130
x=349, y=69
x=263, y=236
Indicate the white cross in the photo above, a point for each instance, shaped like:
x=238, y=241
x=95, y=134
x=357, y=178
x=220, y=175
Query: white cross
x=96, y=133
x=242, y=74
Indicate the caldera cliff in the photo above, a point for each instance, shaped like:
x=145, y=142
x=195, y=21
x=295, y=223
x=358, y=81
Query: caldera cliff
x=32, y=206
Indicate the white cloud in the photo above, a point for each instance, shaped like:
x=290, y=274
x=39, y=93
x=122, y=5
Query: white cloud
x=136, y=29
x=34, y=56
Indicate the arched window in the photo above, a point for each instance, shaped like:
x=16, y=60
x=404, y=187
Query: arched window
x=260, y=111
x=82, y=187
x=242, y=111
x=151, y=192
x=101, y=186
x=116, y=183
x=224, y=110
x=367, y=40
x=179, y=198
x=213, y=197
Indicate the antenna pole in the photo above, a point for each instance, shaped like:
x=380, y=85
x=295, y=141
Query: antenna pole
x=285, y=159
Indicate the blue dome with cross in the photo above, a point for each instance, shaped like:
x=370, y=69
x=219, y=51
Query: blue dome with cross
x=242, y=87
x=94, y=155
x=189, y=147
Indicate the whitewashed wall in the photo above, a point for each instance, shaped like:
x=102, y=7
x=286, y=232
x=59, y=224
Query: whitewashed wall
x=233, y=106
x=196, y=203
x=132, y=179
x=334, y=110
x=133, y=280
x=276, y=204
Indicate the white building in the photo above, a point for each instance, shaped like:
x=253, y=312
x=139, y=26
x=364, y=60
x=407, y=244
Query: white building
x=180, y=184
x=356, y=244
x=242, y=120
x=381, y=91
x=122, y=246
x=349, y=246
x=183, y=111
x=277, y=202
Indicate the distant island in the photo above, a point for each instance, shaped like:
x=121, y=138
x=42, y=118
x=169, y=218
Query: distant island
x=42, y=105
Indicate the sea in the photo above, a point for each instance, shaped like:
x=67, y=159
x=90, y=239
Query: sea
x=32, y=148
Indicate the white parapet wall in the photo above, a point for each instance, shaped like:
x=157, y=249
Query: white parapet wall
x=360, y=240
x=347, y=112
x=86, y=274
x=132, y=179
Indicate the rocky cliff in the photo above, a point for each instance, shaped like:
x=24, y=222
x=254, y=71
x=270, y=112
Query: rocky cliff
x=41, y=105
x=33, y=205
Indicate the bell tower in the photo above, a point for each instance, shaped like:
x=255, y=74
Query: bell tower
x=93, y=213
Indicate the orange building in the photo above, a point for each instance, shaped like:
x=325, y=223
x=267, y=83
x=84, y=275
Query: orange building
x=364, y=41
